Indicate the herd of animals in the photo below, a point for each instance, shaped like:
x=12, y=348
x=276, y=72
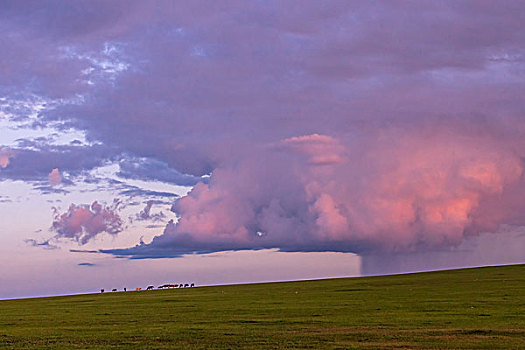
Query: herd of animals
x=164, y=286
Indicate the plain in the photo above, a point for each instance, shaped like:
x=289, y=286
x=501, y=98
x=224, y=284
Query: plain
x=480, y=308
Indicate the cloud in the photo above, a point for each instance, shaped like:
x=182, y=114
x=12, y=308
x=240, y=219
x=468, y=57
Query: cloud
x=135, y=191
x=86, y=264
x=145, y=214
x=5, y=154
x=34, y=165
x=83, y=251
x=357, y=126
x=154, y=170
x=403, y=191
x=46, y=244
x=55, y=178
x=83, y=222
x=318, y=149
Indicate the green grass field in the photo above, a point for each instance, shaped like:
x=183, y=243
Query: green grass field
x=482, y=308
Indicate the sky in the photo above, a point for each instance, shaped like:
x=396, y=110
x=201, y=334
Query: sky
x=152, y=142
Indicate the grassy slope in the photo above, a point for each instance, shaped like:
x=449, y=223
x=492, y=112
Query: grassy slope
x=460, y=309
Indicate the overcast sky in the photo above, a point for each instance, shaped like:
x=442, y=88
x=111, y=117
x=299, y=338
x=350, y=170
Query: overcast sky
x=236, y=141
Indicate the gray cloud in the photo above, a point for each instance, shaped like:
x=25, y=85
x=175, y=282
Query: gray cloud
x=34, y=165
x=154, y=170
x=86, y=264
x=145, y=214
x=83, y=251
x=46, y=244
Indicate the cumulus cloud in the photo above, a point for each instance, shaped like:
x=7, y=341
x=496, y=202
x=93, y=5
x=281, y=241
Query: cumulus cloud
x=85, y=221
x=401, y=191
x=55, y=178
x=5, y=154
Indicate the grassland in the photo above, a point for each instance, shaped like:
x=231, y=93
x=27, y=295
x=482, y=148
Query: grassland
x=481, y=308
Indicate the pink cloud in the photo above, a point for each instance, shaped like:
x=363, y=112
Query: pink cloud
x=5, y=155
x=83, y=222
x=401, y=191
x=55, y=178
